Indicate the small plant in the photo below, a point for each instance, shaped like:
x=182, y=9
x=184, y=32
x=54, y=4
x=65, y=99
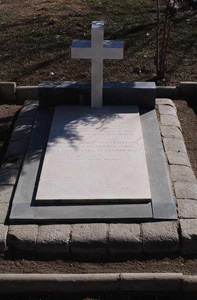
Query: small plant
x=163, y=35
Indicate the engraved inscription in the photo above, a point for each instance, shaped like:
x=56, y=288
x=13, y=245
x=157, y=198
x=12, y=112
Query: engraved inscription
x=93, y=155
x=97, y=138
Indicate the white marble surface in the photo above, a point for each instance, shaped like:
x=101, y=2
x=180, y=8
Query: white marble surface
x=95, y=155
x=97, y=49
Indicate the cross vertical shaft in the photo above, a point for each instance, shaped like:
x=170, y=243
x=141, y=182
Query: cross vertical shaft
x=97, y=64
x=97, y=50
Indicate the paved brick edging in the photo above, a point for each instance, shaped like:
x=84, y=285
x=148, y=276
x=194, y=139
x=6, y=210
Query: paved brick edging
x=97, y=239
x=182, y=175
x=111, y=282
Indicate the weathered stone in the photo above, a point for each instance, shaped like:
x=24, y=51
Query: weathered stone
x=171, y=132
x=3, y=212
x=168, y=120
x=190, y=283
x=28, y=111
x=27, y=284
x=8, y=176
x=124, y=238
x=53, y=239
x=97, y=169
x=188, y=236
x=164, y=101
x=22, y=237
x=182, y=173
x=8, y=91
x=24, y=121
x=21, y=132
x=27, y=92
x=187, y=208
x=171, y=92
x=14, y=162
x=89, y=239
x=188, y=89
x=151, y=282
x=175, y=145
x=167, y=110
x=32, y=103
x=5, y=193
x=178, y=158
x=186, y=190
x=17, y=147
x=160, y=237
x=3, y=235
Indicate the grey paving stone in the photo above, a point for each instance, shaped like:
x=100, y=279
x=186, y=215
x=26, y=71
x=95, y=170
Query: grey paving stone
x=171, y=132
x=186, y=190
x=8, y=91
x=53, y=239
x=25, y=121
x=8, y=176
x=157, y=282
x=14, y=162
x=28, y=111
x=3, y=235
x=182, y=173
x=124, y=238
x=32, y=102
x=17, y=147
x=188, y=236
x=27, y=92
x=187, y=208
x=160, y=237
x=3, y=212
x=164, y=101
x=89, y=239
x=5, y=193
x=190, y=283
x=22, y=237
x=168, y=120
x=21, y=132
x=174, y=145
x=167, y=110
x=178, y=158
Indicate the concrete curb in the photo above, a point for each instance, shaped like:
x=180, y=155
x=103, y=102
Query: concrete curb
x=10, y=92
x=110, y=282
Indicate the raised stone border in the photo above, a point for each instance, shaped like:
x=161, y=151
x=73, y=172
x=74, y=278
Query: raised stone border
x=111, y=282
x=10, y=92
x=97, y=239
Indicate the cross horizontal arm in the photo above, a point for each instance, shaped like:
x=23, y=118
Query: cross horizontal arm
x=81, y=49
x=111, y=50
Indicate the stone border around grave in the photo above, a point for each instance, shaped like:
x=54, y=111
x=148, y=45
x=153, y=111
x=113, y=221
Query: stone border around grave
x=10, y=92
x=153, y=237
x=162, y=207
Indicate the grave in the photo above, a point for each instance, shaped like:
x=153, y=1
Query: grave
x=98, y=163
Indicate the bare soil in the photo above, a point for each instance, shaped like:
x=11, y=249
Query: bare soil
x=128, y=264
x=187, y=111
x=36, y=36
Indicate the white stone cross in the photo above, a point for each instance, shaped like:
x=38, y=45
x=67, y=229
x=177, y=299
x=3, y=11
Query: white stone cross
x=97, y=50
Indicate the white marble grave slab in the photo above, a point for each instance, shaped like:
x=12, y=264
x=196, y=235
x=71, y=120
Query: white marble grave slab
x=95, y=155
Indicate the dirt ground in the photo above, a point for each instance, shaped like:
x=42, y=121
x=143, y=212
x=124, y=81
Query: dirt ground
x=36, y=36
x=187, y=111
